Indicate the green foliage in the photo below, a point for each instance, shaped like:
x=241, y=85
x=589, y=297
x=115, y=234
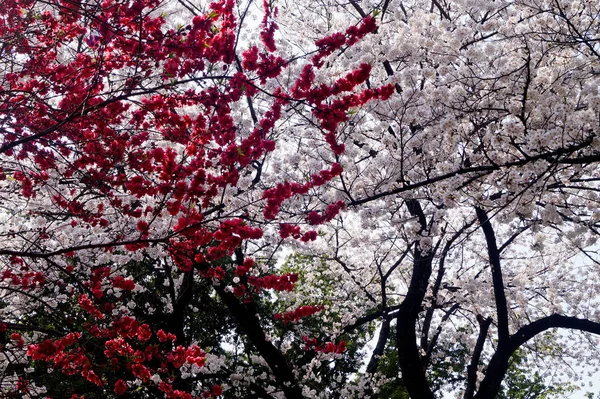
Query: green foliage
x=521, y=384
x=388, y=366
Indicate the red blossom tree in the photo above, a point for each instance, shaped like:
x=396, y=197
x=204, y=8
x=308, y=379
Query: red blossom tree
x=124, y=140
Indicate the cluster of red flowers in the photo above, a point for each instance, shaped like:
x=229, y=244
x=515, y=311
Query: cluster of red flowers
x=68, y=354
x=171, y=393
x=331, y=211
x=120, y=387
x=277, y=195
x=164, y=337
x=123, y=283
x=298, y=313
x=335, y=41
x=265, y=65
x=191, y=355
x=329, y=347
x=214, y=392
x=17, y=339
x=289, y=230
x=231, y=232
x=47, y=349
x=25, y=279
x=268, y=27
x=214, y=272
x=85, y=303
x=284, y=282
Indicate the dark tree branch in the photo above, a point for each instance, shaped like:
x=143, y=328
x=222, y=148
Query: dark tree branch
x=409, y=359
x=436, y=289
x=381, y=342
x=484, y=326
x=438, y=331
x=111, y=244
x=529, y=331
x=490, y=385
x=246, y=318
x=514, y=237
x=29, y=327
x=443, y=12
x=497, y=281
x=349, y=271
x=177, y=317
x=388, y=314
x=358, y=8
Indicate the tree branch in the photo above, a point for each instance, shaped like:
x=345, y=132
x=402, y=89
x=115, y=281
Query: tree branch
x=409, y=359
x=484, y=326
x=435, y=290
x=490, y=385
x=529, y=331
x=250, y=324
x=497, y=281
x=378, y=352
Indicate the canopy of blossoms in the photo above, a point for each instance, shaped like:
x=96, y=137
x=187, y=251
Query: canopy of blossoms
x=314, y=199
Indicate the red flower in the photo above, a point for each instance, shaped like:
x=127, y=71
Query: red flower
x=17, y=338
x=144, y=333
x=124, y=284
x=120, y=387
x=216, y=390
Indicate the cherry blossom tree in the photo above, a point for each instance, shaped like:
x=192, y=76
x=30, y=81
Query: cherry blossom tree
x=471, y=193
x=299, y=200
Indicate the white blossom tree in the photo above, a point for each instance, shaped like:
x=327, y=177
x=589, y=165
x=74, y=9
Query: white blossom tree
x=311, y=199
